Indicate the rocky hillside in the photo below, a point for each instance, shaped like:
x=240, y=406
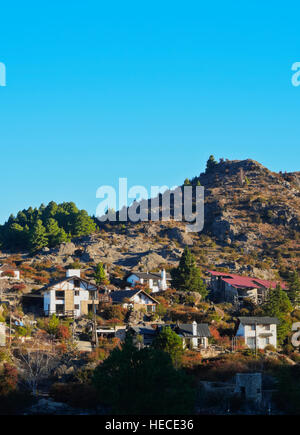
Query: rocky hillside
x=252, y=220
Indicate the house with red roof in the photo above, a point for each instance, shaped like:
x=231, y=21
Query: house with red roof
x=229, y=287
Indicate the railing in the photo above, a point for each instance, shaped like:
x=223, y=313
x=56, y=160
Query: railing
x=65, y=313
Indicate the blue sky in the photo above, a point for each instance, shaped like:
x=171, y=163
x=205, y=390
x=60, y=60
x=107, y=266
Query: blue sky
x=144, y=90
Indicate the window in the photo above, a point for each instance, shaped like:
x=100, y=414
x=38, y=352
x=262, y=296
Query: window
x=252, y=327
x=251, y=342
x=76, y=282
x=267, y=341
x=76, y=306
x=76, y=293
x=267, y=327
x=92, y=295
x=60, y=294
x=59, y=308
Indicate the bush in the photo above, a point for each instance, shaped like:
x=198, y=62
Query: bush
x=114, y=312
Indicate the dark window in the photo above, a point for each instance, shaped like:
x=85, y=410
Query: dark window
x=60, y=294
x=76, y=292
x=59, y=308
x=76, y=306
x=76, y=283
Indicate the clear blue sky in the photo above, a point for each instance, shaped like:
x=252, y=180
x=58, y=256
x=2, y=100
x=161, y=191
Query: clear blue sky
x=145, y=90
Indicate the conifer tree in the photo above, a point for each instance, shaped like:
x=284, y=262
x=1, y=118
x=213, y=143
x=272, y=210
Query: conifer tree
x=187, y=276
x=38, y=238
x=279, y=305
x=211, y=163
x=100, y=275
x=294, y=288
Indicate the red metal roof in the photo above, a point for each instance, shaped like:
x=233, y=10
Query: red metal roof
x=239, y=281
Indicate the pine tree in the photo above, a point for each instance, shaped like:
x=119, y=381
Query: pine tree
x=56, y=235
x=100, y=275
x=84, y=224
x=279, y=306
x=294, y=288
x=169, y=342
x=38, y=238
x=187, y=276
x=211, y=163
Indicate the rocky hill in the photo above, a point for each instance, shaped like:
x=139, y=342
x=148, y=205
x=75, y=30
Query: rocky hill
x=252, y=221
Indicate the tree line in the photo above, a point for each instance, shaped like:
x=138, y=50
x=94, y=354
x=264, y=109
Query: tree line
x=47, y=226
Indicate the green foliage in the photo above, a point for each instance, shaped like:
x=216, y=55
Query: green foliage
x=100, y=275
x=56, y=235
x=143, y=382
x=37, y=236
x=211, y=164
x=53, y=325
x=33, y=229
x=294, y=288
x=187, y=276
x=279, y=306
x=169, y=342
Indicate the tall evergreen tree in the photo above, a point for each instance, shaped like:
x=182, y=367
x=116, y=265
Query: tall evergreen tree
x=210, y=164
x=294, y=288
x=279, y=305
x=38, y=238
x=84, y=224
x=56, y=235
x=168, y=341
x=143, y=382
x=100, y=275
x=187, y=276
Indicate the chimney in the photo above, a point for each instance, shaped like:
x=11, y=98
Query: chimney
x=73, y=272
x=194, y=327
x=163, y=281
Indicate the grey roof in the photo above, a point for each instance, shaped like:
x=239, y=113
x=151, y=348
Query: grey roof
x=120, y=295
x=145, y=275
x=149, y=275
x=144, y=330
x=258, y=320
x=186, y=329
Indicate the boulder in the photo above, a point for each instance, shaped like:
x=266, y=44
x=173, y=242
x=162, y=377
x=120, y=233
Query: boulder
x=66, y=249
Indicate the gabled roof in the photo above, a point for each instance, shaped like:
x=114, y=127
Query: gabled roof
x=239, y=281
x=69, y=278
x=186, y=329
x=146, y=275
x=144, y=330
x=121, y=295
x=258, y=320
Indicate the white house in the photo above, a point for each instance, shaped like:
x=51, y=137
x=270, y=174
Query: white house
x=8, y=271
x=258, y=332
x=135, y=299
x=70, y=296
x=193, y=335
x=154, y=281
